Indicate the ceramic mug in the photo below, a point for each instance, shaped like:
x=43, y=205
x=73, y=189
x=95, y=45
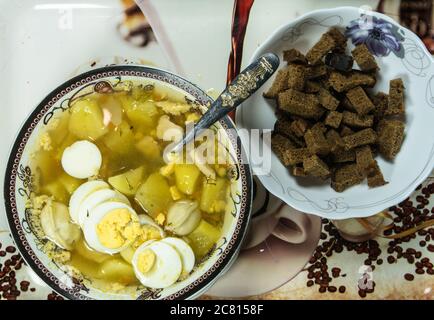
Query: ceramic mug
x=273, y=217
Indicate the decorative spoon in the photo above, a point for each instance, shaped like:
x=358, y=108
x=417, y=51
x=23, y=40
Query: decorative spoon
x=244, y=85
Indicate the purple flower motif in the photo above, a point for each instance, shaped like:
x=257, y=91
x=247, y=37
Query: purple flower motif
x=381, y=37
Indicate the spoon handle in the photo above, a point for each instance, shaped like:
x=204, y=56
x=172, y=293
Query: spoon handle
x=242, y=87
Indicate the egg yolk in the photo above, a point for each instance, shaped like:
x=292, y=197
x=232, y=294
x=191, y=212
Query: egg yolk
x=146, y=260
x=118, y=228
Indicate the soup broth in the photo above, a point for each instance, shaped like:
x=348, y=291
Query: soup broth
x=147, y=200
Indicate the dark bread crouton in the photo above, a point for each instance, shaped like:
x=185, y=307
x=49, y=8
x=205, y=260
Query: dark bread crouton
x=334, y=140
x=380, y=101
x=296, y=76
x=364, y=159
x=325, y=44
x=316, y=142
x=317, y=71
x=340, y=155
x=300, y=104
x=390, y=137
x=294, y=56
x=283, y=126
x=360, y=138
x=346, y=104
x=327, y=100
x=296, y=156
x=314, y=166
x=360, y=100
x=340, y=39
x=333, y=119
x=355, y=120
x=375, y=176
x=280, y=145
x=280, y=84
x=346, y=131
x=345, y=177
x=312, y=86
x=299, y=127
x=342, y=83
x=364, y=58
x=396, y=98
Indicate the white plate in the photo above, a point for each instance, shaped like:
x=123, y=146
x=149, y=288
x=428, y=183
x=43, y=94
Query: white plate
x=414, y=162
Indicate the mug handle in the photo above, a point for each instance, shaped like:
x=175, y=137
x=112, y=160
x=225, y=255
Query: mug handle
x=292, y=225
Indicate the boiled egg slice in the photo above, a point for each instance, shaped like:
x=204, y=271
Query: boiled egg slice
x=96, y=198
x=111, y=227
x=146, y=220
x=81, y=193
x=184, y=251
x=157, y=264
x=82, y=159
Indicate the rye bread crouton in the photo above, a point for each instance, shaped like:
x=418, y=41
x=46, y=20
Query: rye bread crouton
x=355, y=120
x=364, y=159
x=300, y=104
x=296, y=77
x=327, y=100
x=280, y=84
x=364, y=58
x=396, y=98
x=294, y=56
x=360, y=138
x=325, y=44
x=375, y=176
x=342, y=83
x=280, y=145
x=345, y=177
x=360, y=101
x=333, y=119
x=390, y=137
x=316, y=142
x=315, y=167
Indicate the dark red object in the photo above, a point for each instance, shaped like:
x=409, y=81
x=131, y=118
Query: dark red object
x=240, y=19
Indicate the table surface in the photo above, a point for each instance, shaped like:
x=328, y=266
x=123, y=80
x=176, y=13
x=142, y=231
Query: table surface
x=371, y=270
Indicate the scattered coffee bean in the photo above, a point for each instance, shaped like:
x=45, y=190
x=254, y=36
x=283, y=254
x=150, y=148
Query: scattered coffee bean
x=408, y=277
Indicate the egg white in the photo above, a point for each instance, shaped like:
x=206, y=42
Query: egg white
x=82, y=159
x=81, y=193
x=185, y=252
x=167, y=267
x=96, y=215
x=94, y=199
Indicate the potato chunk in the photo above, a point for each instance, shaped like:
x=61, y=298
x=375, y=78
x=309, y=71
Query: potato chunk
x=128, y=182
x=187, y=178
x=203, y=238
x=86, y=121
x=154, y=195
x=214, y=194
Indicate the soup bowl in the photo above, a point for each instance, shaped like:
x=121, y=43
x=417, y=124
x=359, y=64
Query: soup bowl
x=18, y=188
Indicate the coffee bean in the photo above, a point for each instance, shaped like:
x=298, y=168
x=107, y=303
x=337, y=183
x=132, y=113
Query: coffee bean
x=420, y=271
x=430, y=248
x=332, y=289
x=408, y=277
x=391, y=259
x=310, y=283
x=2, y=253
x=10, y=249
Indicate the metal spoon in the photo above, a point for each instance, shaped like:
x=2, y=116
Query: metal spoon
x=244, y=85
